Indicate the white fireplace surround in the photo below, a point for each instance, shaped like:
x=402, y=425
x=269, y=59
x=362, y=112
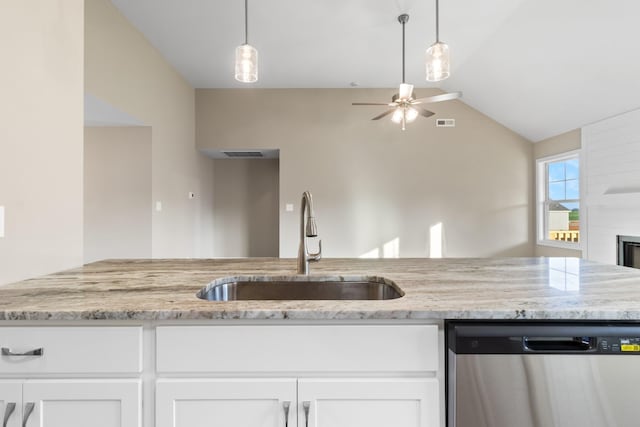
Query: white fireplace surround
x=611, y=184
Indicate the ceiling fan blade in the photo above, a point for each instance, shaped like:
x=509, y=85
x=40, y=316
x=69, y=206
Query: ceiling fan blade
x=438, y=98
x=369, y=103
x=386, y=113
x=425, y=113
x=405, y=91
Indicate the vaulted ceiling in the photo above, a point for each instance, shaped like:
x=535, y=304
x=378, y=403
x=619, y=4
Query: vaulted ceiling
x=539, y=67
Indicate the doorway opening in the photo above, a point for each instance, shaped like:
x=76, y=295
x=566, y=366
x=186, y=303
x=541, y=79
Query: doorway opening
x=246, y=203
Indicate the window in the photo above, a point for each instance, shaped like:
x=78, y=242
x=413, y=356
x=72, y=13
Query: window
x=558, y=213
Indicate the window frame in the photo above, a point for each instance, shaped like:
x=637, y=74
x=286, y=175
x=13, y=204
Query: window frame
x=542, y=179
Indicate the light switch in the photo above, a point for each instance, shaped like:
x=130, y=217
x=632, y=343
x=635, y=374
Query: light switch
x=158, y=206
x=288, y=207
x=1, y=221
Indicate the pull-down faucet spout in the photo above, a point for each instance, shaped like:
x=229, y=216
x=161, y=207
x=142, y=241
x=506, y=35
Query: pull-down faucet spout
x=308, y=230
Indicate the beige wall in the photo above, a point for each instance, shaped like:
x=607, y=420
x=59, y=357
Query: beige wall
x=246, y=208
x=41, y=136
x=559, y=144
x=117, y=193
x=373, y=183
x=123, y=69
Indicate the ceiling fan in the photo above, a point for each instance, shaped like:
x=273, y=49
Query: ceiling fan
x=404, y=105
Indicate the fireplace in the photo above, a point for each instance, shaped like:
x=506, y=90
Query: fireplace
x=629, y=251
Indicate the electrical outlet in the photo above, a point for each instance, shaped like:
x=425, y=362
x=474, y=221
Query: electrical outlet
x=288, y=207
x=158, y=206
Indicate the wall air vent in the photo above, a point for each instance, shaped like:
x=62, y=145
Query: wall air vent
x=446, y=123
x=243, y=154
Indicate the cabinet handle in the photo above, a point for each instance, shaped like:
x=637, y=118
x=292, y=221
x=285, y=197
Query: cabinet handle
x=8, y=410
x=35, y=352
x=28, y=409
x=285, y=408
x=306, y=405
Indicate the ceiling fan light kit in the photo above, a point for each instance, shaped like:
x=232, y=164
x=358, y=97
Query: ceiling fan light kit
x=437, y=58
x=246, y=56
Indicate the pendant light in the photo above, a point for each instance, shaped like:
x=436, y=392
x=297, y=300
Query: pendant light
x=246, y=56
x=437, y=59
x=404, y=112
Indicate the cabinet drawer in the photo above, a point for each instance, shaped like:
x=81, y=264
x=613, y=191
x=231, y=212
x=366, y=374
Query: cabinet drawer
x=71, y=350
x=298, y=348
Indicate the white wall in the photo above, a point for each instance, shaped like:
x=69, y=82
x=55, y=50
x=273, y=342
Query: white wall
x=124, y=70
x=246, y=208
x=41, y=136
x=373, y=183
x=612, y=155
x=117, y=193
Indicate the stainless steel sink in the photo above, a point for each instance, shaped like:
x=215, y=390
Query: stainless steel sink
x=300, y=288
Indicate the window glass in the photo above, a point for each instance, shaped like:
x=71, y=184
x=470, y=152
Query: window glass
x=556, y=171
x=561, y=204
x=572, y=169
x=557, y=190
x=572, y=189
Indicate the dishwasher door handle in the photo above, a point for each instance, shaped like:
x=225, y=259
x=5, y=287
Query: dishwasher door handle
x=559, y=344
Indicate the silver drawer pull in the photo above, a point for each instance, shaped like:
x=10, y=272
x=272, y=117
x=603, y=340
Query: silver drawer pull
x=36, y=352
x=285, y=408
x=28, y=409
x=306, y=405
x=8, y=410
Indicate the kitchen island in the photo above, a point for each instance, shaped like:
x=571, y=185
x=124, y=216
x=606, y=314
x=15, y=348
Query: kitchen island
x=129, y=343
x=435, y=289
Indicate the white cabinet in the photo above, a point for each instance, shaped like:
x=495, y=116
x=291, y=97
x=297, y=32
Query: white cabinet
x=82, y=403
x=71, y=403
x=222, y=374
x=68, y=352
x=368, y=402
x=10, y=403
x=340, y=375
x=283, y=349
x=225, y=402
x=325, y=402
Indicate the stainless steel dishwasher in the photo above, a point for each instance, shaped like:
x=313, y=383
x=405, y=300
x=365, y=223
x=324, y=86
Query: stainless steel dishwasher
x=543, y=374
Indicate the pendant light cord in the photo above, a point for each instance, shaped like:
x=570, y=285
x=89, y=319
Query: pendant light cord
x=246, y=21
x=403, y=51
x=437, y=23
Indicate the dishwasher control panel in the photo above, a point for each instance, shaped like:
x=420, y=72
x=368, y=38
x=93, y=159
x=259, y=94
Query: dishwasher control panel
x=619, y=344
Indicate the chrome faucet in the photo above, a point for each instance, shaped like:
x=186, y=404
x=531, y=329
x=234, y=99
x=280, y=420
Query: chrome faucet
x=310, y=230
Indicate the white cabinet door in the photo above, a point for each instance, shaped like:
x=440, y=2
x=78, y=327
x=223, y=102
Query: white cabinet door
x=82, y=403
x=225, y=403
x=10, y=403
x=369, y=402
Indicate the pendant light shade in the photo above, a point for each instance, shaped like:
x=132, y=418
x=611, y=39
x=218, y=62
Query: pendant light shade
x=246, y=64
x=246, y=55
x=437, y=58
x=437, y=62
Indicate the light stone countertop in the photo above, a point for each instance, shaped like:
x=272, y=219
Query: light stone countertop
x=435, y=289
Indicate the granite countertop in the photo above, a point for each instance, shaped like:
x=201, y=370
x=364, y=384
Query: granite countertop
x=435, y=289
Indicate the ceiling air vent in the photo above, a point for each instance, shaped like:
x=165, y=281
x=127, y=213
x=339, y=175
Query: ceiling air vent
x=446, y=123
x=243, y=154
